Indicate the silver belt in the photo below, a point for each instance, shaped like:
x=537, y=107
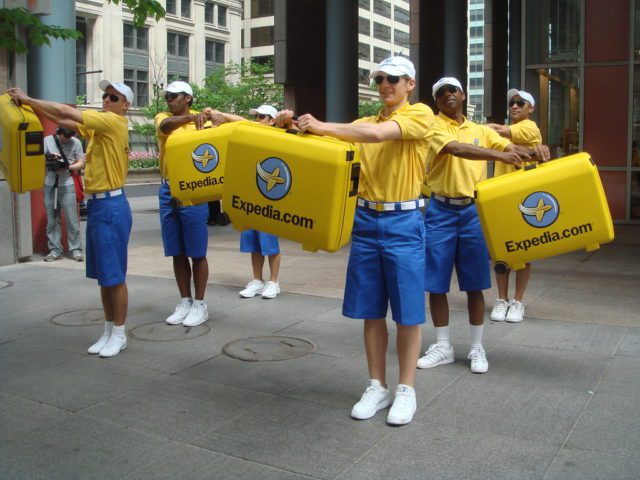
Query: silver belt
x=108, y=194
x=391, y=206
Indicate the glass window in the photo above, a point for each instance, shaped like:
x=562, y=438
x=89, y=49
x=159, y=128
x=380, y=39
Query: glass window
x=214, y=55
x=171, y=6
x=185, y=9
x=363, y=76
x=138, y=81
x=557, y=94
x=401, y=38
x=476, y=32
x=177, y=45
x=174, y=75
x=264, y=60
x=222, y=16
x=366, y=4
x=381, y=32
x=401, y=15
x=135, y=38
x=127, y=36
x=382, y=8
x=476, y=49
x=553, y=31
x=262, y=8
x=208, y=13
x=261, y=36
x=475, y=83
x=475, y=66
x=476, y=15
x=380, y=54
x=364, y=26
x=364, y=51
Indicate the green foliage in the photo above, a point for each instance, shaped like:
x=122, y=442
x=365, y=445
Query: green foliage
x=369, y=109
x=39, y=33
x=250, y=89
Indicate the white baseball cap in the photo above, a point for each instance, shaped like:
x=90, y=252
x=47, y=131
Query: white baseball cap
x=178, y=87
x=523, y=95
x=398, y=66
x=119, y=87
x=446, y=81
x=264, y=110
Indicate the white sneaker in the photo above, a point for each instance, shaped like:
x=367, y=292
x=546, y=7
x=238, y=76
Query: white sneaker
x=77, y=256
x=198, y=314
x=499, y=312
x=114, y=346
x=271, y=290
x=404, y=406
x=436, y=355
x=180, y=313
x=100, y=344
x=253, y=288
x=52, y=257
x=516, y=312
x=374, y=398
x=478, y=359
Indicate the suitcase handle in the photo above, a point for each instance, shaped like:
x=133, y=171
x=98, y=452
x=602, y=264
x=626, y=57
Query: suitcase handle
x=355, y=178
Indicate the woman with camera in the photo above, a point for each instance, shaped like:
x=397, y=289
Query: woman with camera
x=63, y=153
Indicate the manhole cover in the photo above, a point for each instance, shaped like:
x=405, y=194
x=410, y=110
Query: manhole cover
x=268, y=349
x=79, y=318
x=5, y=284
x=161, y=332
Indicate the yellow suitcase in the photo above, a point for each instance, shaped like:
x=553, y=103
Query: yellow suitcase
x=21, y=146
x=298, y=186
x=196, y=162
x=544, y=210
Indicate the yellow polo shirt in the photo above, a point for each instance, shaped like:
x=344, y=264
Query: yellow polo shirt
x=162, y=137
x=393, y=171
x=525, y=133
x=454, y=176
x=107, y=157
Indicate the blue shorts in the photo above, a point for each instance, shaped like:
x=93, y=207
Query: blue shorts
x=454, y=237
x=253, y=241
x=184, y=229
x=386, y=266
x=108, y=228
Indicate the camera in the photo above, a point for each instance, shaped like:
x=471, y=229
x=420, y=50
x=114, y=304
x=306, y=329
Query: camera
x=54, y=162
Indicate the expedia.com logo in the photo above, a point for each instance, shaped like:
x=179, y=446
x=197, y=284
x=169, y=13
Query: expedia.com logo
x=273, y=178
x=540, y=209
x=205, y=158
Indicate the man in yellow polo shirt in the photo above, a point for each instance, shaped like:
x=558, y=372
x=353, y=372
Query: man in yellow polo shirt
x=109, y=215
x=456, y=161
x=522, y=131
x=184, y=229
x=386, y=261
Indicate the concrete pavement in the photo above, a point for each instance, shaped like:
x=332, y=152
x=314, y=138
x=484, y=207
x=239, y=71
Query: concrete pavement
x=559, y=401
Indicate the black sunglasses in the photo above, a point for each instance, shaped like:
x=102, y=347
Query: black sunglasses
x=171, y=95
x=520, y=103
x=68, y=134
x=447, y=88
x=392, y=79
x=112, y=97
x=261, y=116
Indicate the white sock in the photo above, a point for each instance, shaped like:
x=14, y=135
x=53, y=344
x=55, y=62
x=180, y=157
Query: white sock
x=118, y=331
x=198, y=302
x=442, y=336
x=187, y=300
x=108, y=328
x=476, y=334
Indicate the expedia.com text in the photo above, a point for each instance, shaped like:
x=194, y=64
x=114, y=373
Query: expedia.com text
x=207, y=182
x=547, y=237
x=272, y=213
